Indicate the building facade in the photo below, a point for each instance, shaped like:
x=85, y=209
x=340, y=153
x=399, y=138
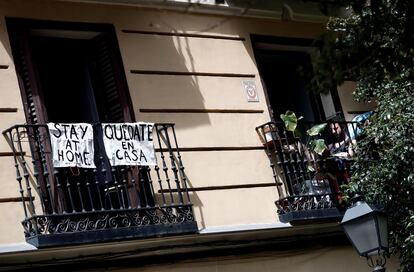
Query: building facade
x=214, y=79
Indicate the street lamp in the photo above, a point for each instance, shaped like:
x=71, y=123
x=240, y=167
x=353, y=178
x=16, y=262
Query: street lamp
x=366, y=227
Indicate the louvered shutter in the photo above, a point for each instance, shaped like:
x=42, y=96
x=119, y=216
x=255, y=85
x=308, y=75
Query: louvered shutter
x=19, y=40
x=112, y=107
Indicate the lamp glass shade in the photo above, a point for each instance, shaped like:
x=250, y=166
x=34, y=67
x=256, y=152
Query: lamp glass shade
x=366, y=228
x=362, y=234
x=383, y=230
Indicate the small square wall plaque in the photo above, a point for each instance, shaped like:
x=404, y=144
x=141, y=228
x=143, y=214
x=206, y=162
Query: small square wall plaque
x=251, y=91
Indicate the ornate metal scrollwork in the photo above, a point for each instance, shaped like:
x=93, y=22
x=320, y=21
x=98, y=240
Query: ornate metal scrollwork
x=79, y=222
x=305, y=203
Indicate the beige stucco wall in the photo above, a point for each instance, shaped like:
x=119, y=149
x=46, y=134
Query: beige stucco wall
x=349, y=105
x=184, y=54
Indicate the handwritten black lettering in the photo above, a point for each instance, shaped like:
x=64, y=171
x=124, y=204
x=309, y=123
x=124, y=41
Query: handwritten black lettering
x=57, y=130
x=142, y=156
x=149, y=130
x=75, y=143
x=69, y=156
x=65, y=129
x=109, y=133
x=68, y=144
x=73, y=133
x=142, y=126
x=83, y=129
x=78, y=157
x=60, y=155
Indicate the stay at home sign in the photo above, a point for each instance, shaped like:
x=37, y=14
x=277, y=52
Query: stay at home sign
x=129, y=143
x=72, y=145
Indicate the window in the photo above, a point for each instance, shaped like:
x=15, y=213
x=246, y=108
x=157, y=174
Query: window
x=285, y=67
x=70, y=73
x=69, y=62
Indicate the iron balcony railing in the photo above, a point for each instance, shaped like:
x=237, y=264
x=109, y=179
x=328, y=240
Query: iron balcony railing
x=75, y=205
x=308, y=178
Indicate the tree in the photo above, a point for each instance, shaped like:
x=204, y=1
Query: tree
x=374, y=46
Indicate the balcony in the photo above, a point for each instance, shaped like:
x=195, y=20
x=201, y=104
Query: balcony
x=65, y=206
x=309, y=182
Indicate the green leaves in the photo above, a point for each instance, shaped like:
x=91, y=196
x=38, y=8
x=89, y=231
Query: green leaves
x=291, y=122
x=373, y=46
x=316, y=129
x=290, y=119
x=318, y=145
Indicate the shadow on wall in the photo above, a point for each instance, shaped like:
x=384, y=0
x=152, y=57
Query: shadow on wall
x=163, y=79
x=166, y=62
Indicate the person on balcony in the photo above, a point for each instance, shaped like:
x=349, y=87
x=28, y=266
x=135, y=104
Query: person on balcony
x=341, y=143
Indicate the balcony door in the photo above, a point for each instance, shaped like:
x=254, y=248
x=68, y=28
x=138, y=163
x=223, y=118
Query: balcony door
x=70, y=73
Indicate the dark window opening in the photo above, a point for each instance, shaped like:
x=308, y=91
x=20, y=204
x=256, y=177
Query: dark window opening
x=284, y=75
x=65, y=70
x=285, y=68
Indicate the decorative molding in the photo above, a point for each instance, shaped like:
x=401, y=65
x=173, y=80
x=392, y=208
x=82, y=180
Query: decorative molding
x=190, y=35
x=8, y=110
x=305, y=12
x=224, y=187
x=14, y=199
x=217, y=148
x=11, y=154
x=178, y=73
x=201, y=111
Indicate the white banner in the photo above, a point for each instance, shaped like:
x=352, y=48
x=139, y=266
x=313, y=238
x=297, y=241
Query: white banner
x=72, y=145
x=129, y=143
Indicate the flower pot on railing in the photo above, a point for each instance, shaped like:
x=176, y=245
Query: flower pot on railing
x=268, y=134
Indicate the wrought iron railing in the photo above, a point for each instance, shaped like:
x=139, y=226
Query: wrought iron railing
x=309, y=182
x=79, y=205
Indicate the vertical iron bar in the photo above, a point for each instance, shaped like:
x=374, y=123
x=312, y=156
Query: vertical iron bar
x=124, y=182
x=272, y=155
x=157, y=170
x=61, y=194
x=290, y=167
x=135, y=185
x=26, y=174
x=106, y=181
x=35, y=164
x=88, y=187
x=16, y=165
x=69, y=190
x=113, y=172
x=78, y=185
x=268, y=151
x=142, y=182
x=147, y=170
x=173, y=165
x=98, y=188
x=303, y=160
x=279, y=150
x=164, y=165
x=181, y=166
x=46, y=171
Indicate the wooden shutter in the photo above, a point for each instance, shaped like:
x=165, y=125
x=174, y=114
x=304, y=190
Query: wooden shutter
x=113, y=101
x=20, y=44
